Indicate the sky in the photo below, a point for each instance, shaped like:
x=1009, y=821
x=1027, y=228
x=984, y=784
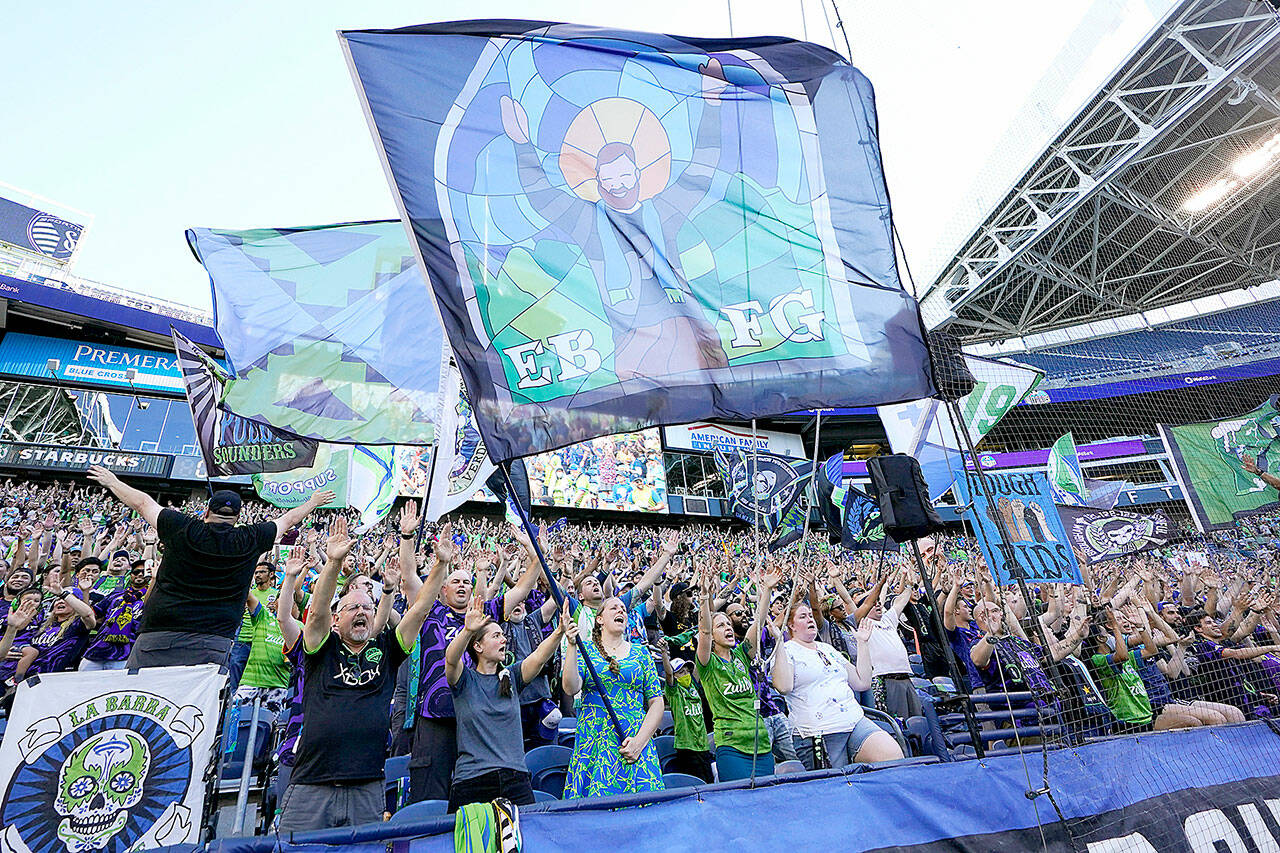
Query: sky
x=153, y=117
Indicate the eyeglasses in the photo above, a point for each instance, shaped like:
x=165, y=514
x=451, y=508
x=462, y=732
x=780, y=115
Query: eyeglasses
x=348, y=607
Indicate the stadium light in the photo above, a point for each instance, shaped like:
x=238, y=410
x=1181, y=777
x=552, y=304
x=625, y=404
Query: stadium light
x=1244, y=168
x=1255, y=161
x=1210, y=195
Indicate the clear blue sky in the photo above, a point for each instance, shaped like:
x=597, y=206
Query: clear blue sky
x=157, y=116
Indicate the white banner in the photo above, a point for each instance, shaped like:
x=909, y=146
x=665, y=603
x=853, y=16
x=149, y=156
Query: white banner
x=461, y=462
x=108, y=762
x=706, y=437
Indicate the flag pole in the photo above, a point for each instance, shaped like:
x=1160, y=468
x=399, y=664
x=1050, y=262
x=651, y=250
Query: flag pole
x=813, y=483
x=426, y=495
x=558, y=595
x=755, y=499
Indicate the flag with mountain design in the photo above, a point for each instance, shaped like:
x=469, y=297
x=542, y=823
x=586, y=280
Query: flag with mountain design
x=330, y=331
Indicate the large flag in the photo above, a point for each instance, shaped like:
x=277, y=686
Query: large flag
x=95, y=763
x=1105, y=534
x=761, y=488
x=232, y=444
x=1207, y=461
x=460, y=464
x=1066, y=481
x=830, y=478
x=330, y=332
x=625, y=229
x=363, y=478
x=925, y=429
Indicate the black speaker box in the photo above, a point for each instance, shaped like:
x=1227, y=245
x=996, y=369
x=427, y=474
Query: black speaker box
x=900, y=489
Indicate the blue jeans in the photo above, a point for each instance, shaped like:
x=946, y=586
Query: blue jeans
x=841, y=748
x=732, y=764
x=236, y=663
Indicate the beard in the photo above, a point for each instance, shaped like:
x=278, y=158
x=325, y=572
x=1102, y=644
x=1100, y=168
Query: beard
x=623, y=202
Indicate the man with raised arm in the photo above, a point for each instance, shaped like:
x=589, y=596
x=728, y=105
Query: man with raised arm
x=349, y=673
x=195, y=604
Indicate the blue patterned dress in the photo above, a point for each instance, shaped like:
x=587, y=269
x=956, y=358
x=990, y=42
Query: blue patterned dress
x=597, y=768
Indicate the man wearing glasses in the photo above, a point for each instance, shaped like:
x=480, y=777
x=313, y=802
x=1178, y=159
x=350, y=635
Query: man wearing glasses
x=195, y=605
x=348, y=678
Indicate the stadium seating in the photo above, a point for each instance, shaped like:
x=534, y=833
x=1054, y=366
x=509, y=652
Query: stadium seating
x=544, y=797
x=890, y=725
x=784, y=768
x=1176, y=347
x=420, y=810
x=681, y=780
x=233, y=764
x=548, y=767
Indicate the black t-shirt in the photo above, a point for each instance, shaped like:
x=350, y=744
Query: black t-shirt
x=346, y=710
x=204, y=577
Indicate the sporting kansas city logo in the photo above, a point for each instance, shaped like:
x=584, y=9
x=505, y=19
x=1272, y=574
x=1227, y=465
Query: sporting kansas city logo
x=109, y=775
x=53, y=236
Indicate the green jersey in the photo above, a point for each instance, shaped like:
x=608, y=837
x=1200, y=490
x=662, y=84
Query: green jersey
x=267, y=666
x=732, y=698
x=686, y=713
x=1126, y=694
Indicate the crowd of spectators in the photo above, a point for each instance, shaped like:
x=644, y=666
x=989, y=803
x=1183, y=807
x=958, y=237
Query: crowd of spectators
x=445, y=643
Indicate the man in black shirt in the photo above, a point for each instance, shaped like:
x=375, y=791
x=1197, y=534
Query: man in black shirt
x=195, y=605
x=348, y=681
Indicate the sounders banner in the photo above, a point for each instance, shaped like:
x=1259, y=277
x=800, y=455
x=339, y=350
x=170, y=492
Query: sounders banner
x=1037, y=548
x=1207, y=461
x=232, y=444
x=626, y=229
x=108, y=762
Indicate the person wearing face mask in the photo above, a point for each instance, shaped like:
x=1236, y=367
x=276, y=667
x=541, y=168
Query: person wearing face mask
x=349, y=675
x=487, y=704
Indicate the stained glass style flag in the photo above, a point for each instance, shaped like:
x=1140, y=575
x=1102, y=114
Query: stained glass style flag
x=330, y=331
x=627, y=229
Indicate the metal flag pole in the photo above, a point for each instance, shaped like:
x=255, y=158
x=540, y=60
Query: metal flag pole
x=813, y=483
x=426, y=496
x=751, y=485
x=558, y=595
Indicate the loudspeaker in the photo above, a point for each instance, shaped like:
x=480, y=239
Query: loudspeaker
x=950, y=373
x=900, y=490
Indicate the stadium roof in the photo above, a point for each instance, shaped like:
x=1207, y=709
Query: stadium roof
x=1165, y=186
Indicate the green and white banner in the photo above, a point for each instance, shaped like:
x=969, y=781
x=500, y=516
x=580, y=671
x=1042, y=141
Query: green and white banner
x=364, y=478
x=1209, y=462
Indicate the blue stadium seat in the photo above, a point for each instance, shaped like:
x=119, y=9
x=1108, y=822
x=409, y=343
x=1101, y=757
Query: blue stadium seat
x=233, y=764
x=567, y=731
x=681, y=780
x=544, y=797
x=667, y=726
x=666, y=748
x=890, y=725
x=548, y=767
x=917, y=665
x=420, y=811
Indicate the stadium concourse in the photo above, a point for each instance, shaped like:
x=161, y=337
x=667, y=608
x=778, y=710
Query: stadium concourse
x=1118, y=306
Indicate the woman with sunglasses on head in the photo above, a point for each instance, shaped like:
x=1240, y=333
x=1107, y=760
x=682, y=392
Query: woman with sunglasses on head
x=601, y=765
x=820, y=684
x=486, y=703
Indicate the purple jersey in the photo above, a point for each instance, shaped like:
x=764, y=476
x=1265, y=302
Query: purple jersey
x=442, y=624
x=60, y=645
x=119, y=616
x=293, y=725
